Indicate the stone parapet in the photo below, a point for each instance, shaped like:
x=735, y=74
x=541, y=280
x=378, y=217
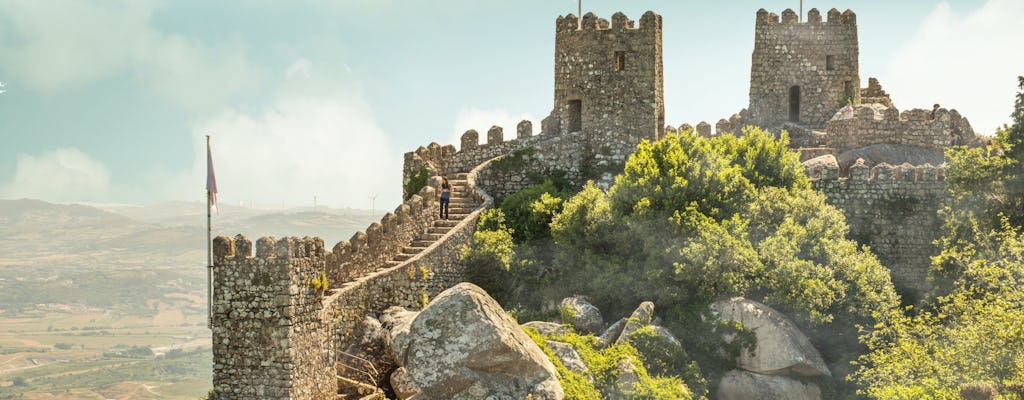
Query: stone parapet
x=877, y=124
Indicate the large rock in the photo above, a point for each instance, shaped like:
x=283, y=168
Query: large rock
x=403, y=385
x=744, y=385
x=464, y=346
x=548, y=328
x=781, y=346
x=396, y=321
x=611, y=334
x=640, y=318
x=569, y=357
x=368, y=353
x=586, y=318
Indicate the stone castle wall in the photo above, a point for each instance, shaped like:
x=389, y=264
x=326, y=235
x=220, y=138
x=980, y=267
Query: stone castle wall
x=370, y=250
x=268, y=337
x=276, y=337
x=892, y=209
x=875, y=124
x=820, y=58
x=410, y=283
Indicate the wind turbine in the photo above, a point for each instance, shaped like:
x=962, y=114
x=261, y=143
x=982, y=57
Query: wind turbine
x=373, y=203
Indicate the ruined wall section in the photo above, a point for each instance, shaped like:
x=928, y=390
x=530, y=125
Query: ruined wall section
x=821, y=58
x=609, y=77
x=268, y=335
x=875, y=124
x=892, y=209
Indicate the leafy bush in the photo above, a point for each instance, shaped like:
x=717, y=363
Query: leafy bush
x=529, y=212
x=694, y=219
x=967, y=340
x=416, y=182
x=489, y=258
x=603, y=365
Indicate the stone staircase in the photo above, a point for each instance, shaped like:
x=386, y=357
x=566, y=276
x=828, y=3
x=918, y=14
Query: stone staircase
x=461, y=205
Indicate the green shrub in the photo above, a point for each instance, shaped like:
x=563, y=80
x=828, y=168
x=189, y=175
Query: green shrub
x=604, y=369
x=529, y=211
x=416, y=182
x=489, y=257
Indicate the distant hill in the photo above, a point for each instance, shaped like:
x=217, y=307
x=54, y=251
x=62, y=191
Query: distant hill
x=38, y=233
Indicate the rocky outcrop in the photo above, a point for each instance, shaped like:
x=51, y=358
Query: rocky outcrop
x=569, y=357
x=743, y=385
x=464, y=346
x=548, y=328
x=611, y=334
x=586, y=318
x=640, y=318
x=781, y=346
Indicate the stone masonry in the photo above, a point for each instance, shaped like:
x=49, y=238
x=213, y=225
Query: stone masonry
x=269, y=341
x=608, y=77
x=802, y=72
x=892, y=209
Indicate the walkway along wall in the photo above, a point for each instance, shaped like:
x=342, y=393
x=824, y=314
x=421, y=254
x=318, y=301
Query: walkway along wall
x=276, y=334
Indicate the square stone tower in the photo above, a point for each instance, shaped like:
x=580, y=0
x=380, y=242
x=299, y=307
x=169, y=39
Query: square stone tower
x=803, y=72
x=608, y=77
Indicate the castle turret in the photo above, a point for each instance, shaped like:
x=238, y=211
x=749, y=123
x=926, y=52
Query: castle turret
x=608, y=76
x=802, y=72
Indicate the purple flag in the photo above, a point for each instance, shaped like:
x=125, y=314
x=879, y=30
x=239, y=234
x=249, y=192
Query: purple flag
x=211, y=180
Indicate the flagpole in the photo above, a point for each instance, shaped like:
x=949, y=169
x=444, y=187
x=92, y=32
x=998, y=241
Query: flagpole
x=209, y=251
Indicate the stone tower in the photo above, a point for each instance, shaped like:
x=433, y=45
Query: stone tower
x=803, y=72
x=608, y=77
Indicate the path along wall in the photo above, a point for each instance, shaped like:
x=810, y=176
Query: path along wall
x=892, y=209
x=276, y=334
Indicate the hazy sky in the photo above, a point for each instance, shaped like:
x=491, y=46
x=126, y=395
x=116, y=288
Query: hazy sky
x=109, y=101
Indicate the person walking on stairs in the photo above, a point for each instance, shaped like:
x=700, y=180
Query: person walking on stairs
x=446, y=195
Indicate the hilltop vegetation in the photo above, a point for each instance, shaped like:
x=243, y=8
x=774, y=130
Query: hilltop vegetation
x=692, y=220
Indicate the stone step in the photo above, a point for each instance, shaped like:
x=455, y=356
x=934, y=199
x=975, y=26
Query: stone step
x=391, y=263
x=421, y=243
x=462, y=175
x=439, y=229
x=413, y=249
x=432, y=237
x=402, y=257
x=448, y=224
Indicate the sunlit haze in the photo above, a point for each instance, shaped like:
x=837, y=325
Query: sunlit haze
x=110, y=101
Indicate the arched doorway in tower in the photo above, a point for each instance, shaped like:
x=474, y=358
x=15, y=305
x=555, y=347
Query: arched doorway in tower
x=794, y=104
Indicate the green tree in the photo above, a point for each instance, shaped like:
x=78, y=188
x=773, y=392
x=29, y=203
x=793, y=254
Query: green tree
x=695, y=219
x=969, y=340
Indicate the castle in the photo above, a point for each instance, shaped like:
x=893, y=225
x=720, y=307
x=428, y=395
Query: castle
x=280, y=331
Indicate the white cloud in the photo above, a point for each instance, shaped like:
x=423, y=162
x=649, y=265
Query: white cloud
x=308, y=143
x=64, y=174
x=968, y=62
x=482, y=120
x=51, y=47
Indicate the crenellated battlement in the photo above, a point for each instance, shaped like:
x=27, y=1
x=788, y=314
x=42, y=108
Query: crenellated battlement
x=267, y=247
x=882, y=173
x=790, y=17
x=619, y=23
